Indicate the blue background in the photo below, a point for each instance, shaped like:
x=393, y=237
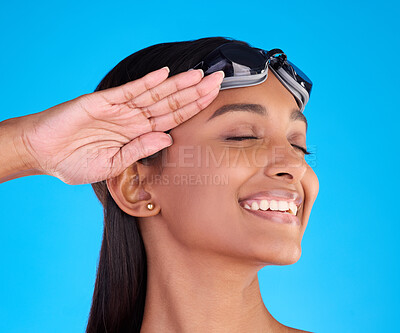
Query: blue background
x=347, y=279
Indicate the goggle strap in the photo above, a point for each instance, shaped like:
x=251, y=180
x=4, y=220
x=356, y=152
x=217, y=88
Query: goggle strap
x=273, y=52
x=287, y=81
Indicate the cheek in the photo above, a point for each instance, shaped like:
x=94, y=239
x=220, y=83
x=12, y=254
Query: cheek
x=239, y=161
x=310, y=185
x=199, y=201
x=199, y=215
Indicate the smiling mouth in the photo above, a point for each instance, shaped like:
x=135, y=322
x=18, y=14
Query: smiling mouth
x=288, y=207
x=276, y=211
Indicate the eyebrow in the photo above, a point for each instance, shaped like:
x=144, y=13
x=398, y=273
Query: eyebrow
x=257, y=109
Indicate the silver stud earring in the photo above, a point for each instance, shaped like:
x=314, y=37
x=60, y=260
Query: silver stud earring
x=150, y=206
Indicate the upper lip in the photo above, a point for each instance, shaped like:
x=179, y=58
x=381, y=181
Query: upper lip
x=276, y=194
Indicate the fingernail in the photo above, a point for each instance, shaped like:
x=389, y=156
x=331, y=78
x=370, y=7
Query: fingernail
x=167, y=68
x=220, y=77
x=201, y=71
x=172, y=140
x=222, y=72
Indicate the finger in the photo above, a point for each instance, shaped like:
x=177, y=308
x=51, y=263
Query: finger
x=132, y=89
x=172, y=119
x=183, y=97
x=140, y=147
x=168, y=87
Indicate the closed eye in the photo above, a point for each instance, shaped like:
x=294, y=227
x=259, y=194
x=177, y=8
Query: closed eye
x=241, y=138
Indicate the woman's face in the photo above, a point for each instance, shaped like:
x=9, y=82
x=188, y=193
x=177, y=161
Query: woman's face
x=206, y=174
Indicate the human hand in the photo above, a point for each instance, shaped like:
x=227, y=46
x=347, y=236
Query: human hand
x=97, y=136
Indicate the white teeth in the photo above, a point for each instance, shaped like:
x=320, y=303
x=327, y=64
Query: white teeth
x=273, y=205
x=283, y=205
x=293, y=208
x=254, y=206
x=264, y=205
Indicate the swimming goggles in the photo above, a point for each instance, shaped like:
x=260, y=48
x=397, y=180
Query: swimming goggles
x=248, y=66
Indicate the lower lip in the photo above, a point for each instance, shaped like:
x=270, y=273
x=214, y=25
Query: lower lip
x=275, y=216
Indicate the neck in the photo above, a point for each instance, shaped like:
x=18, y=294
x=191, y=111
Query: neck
x=197, y=292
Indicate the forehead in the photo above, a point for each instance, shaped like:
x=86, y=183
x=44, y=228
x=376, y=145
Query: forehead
x=271, y=95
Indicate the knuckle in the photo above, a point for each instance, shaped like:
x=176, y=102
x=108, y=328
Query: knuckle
x=128, y=95
x=131, y=104
x=155, y=96
x=199, y=105
x=201, y=90
x=178, y=117
x=178, y=84
x=146, y=112
x=140, y=148
x=146, y=83
x=173, y=102
x=152, y=123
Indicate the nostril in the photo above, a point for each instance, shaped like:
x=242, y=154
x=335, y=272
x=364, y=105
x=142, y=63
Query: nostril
x=285, y=174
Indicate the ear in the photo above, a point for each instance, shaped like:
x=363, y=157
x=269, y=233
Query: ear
x=130, y=193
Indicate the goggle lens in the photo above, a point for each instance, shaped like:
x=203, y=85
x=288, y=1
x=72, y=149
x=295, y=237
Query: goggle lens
x=238, y=60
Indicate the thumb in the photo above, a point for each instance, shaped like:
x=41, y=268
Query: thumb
x=141, y=147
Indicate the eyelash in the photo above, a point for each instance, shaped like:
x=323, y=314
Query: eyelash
x=235, y=138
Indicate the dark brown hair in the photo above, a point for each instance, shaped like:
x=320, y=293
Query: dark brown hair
x=120, y=288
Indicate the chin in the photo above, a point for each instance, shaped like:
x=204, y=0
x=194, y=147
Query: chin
x=285, y=255
x=291, y=257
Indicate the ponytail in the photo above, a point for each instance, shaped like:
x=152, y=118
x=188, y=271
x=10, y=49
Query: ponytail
x=120, y=289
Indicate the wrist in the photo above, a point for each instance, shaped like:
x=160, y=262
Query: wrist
x=15, y=159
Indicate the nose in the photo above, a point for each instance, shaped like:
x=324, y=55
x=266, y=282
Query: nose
x=285, y=162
